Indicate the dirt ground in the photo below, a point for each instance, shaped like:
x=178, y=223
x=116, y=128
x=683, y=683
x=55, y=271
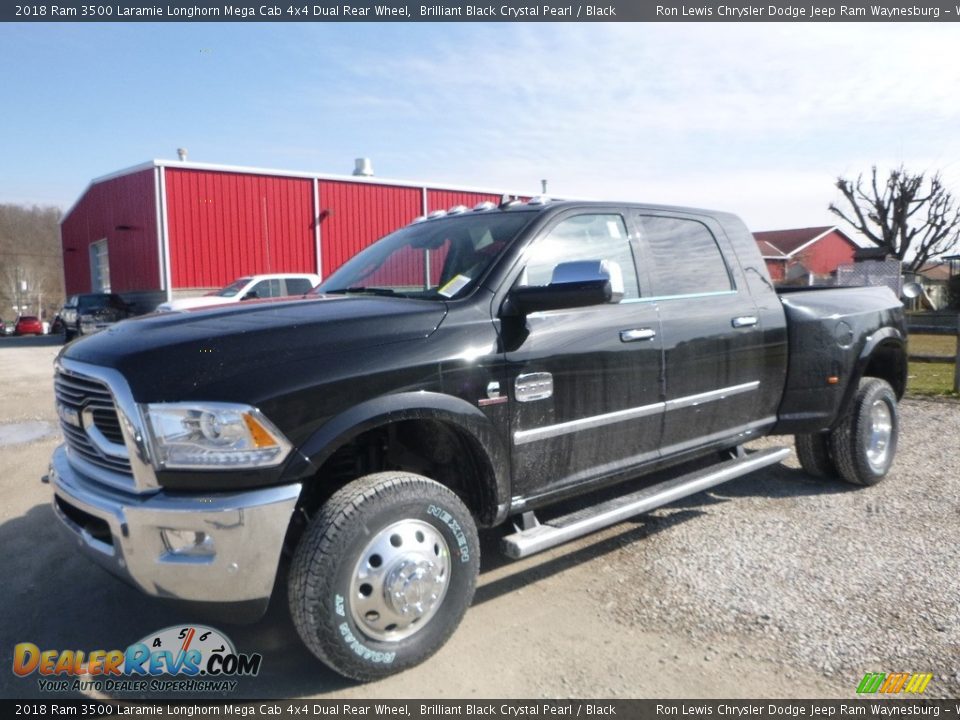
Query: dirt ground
x=584, y=620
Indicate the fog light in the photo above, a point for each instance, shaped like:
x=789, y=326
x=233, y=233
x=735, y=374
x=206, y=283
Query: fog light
x=189, y=543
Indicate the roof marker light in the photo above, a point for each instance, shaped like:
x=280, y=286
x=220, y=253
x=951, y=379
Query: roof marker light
x=437, y=214
x=485, y=205
x=457, y=210
x=418, y=219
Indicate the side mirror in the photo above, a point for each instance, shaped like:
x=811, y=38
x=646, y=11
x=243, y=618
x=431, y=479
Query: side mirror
x=574, y=284
x=252, y=295
x=911, y=290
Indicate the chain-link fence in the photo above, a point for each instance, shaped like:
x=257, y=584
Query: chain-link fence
x=872, y=272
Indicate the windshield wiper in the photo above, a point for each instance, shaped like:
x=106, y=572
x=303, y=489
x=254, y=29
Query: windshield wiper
x=361, y=290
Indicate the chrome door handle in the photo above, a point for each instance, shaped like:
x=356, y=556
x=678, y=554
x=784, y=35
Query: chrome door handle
x=744, y=321
x=638, y=334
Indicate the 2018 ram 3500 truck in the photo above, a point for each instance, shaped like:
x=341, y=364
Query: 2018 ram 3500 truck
x=470, y=369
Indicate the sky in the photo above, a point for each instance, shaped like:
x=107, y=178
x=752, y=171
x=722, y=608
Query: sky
x=757, y=119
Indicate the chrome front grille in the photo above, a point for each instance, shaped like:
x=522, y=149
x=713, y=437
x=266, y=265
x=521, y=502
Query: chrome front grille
x=87, y=410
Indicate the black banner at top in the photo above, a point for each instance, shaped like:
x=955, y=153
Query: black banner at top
x=731, y=11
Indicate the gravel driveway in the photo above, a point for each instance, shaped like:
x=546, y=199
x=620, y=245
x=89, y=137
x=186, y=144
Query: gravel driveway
x=818, y=575
x=774, y=585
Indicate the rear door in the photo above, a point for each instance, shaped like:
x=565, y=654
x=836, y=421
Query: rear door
x=585, y=382
x=710, y=329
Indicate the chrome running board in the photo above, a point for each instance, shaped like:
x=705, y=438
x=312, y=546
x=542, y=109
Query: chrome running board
x=557, y=531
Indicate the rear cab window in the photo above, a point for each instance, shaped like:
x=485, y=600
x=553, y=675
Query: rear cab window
x=298, y=286
x=684, y=256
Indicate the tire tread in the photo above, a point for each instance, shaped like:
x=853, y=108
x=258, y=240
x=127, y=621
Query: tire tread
x=846, y=441
x=314, y=560
x=813, y=452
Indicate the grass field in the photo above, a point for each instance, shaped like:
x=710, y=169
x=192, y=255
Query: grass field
x=931, y=378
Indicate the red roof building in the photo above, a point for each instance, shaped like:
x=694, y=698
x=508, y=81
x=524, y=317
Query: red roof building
x=795, y=255
x=170, y=228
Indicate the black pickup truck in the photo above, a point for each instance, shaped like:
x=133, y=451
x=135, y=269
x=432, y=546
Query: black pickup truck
x=471, y=369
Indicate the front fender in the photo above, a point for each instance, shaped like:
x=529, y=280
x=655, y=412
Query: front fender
x=422, y=405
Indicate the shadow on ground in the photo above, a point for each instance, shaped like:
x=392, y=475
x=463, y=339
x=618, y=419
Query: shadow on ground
x=12, y=342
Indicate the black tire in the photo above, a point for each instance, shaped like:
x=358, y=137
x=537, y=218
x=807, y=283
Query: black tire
x=854, y=446
x=813, y=452
x=346, y=543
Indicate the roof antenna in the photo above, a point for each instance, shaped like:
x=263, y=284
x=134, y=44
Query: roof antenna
x=182, y=154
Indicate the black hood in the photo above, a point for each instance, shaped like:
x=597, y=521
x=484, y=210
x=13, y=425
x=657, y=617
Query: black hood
x=171, y=356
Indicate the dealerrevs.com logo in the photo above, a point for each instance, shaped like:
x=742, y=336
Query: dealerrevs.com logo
x=200, y=659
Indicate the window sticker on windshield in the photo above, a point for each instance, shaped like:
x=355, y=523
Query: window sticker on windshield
x=613, y=227
x=457, y=284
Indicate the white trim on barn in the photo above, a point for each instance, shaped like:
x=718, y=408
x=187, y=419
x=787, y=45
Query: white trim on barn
x=274, y=172
x=103, y=178
x=822, y=235
x=163, y=236
x=161, y=262
x=317, y=239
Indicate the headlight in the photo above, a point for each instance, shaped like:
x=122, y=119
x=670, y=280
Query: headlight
x=206, y=436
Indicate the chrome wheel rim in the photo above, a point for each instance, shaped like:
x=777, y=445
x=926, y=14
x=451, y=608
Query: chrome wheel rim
x=400, y=580
x=880, y=420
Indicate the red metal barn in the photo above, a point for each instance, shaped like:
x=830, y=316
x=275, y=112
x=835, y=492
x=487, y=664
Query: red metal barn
x=797, y=255
x=169, y=228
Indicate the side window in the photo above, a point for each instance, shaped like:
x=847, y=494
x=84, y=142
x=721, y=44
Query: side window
x=266, y=289
x=583, y=237
x=685, y=255
x=298, y=286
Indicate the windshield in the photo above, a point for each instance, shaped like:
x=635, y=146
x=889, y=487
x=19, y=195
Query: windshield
x=440, y=258
x=93, y=302
x=232, y=289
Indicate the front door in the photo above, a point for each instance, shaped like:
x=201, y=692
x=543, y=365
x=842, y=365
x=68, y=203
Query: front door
x=585, y=383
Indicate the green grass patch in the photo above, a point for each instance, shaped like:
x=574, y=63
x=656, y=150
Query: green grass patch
x=931, y=378
x=932, y=344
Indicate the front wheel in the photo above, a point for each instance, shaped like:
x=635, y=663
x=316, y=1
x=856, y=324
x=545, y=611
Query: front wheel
x=864, y=444
x=383, y=574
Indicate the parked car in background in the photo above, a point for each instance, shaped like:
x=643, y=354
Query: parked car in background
x=28, y=325
x=92, y=312
x=248, y=288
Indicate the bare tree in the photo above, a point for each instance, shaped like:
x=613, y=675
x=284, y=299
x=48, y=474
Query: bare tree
x=911, y=219
x=31, y=264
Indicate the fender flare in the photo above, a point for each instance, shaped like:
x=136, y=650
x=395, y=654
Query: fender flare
x=883, y=336
x=423, y=405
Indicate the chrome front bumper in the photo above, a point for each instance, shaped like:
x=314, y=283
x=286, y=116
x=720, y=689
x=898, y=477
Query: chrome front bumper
x=125, y=534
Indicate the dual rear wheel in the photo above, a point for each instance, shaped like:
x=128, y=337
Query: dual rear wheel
x=861, y=448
